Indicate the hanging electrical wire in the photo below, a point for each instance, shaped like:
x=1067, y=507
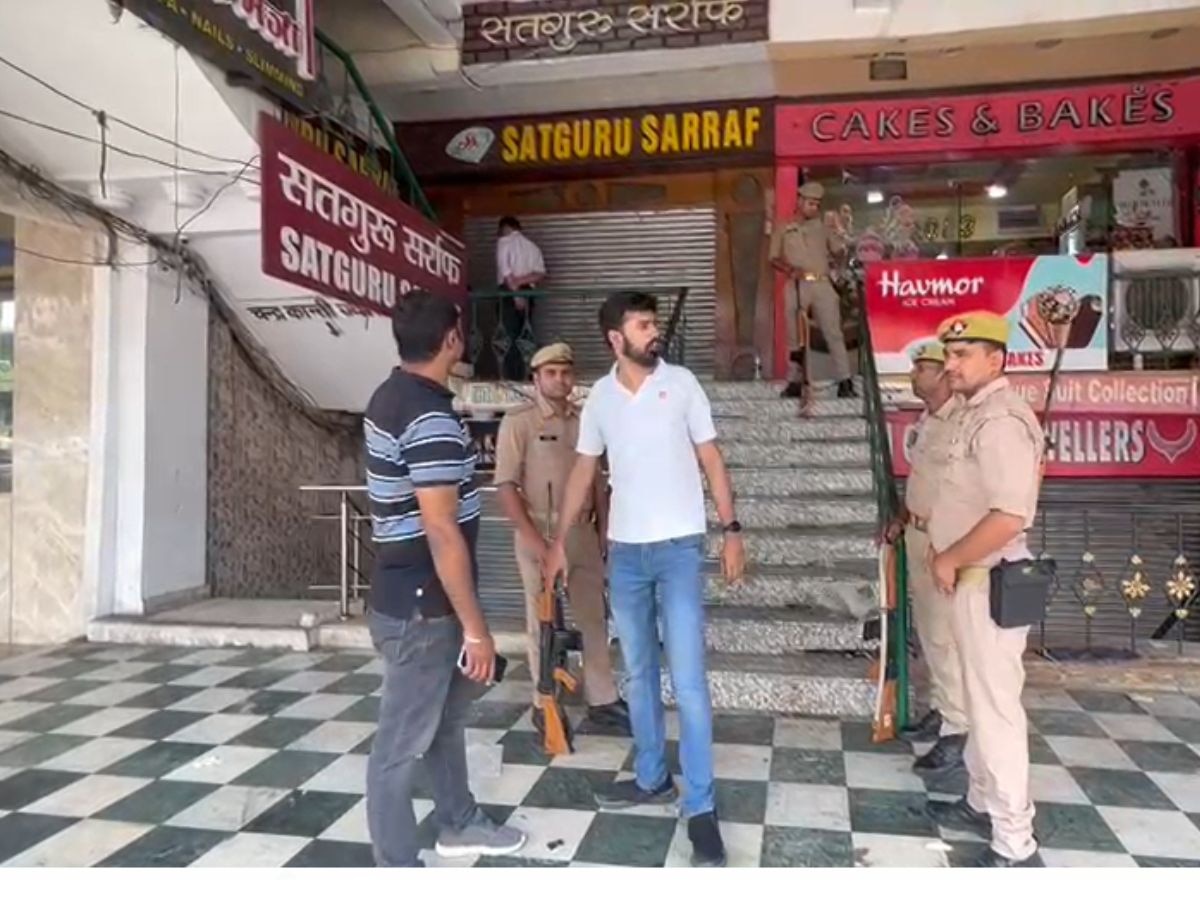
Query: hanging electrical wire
x=38, y=188
x=115, y=119
x=121, y=150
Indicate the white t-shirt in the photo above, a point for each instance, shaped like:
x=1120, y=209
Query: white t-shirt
x=517, y=255
x=650, y=436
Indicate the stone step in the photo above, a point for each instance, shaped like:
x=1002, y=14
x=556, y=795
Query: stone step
x=802, y=546
x=773, y=632
x=764, y=482
x=779, y=409
x=847, y=590
x=808, y=453
x=814, y=684
x=790, y=429
x=784, y=512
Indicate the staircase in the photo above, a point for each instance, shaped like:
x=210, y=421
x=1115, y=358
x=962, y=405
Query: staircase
x=789, y=638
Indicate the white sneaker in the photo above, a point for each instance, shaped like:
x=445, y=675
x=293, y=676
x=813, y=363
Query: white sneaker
x=481, y=837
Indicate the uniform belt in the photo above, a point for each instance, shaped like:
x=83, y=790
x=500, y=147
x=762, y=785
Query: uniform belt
x=973, y=576
x=810, y=277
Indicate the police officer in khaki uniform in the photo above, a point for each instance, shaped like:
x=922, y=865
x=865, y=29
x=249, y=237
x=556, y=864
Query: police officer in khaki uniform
x=801, y=249
x=946, y=720
x=982, y=509
x=535, y=451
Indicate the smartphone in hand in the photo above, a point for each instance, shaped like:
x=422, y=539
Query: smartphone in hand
x=498, y=670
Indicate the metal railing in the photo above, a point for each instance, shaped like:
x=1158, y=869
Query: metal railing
x=356, y=552
x=356, y=548
x=507, y=327
x=887, y=507
x=344, y=99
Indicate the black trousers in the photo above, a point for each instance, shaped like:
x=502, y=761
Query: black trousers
x=518, y=328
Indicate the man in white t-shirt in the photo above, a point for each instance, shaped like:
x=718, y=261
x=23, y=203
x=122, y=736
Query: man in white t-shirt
x=519, y=268
x=654, y=422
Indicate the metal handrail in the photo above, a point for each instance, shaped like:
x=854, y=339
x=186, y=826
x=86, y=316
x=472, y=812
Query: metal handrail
x=401, y=170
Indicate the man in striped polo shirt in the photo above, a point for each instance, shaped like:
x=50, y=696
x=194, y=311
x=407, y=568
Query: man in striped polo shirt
x=424, y=611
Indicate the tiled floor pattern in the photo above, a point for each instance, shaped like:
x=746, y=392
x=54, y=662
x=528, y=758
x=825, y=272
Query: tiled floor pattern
x=136, y=756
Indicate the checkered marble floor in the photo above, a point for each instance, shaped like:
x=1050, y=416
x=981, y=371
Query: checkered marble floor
x=136, y=756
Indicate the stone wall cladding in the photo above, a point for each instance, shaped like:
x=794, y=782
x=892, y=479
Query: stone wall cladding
x=262, y=541
x=752, y=27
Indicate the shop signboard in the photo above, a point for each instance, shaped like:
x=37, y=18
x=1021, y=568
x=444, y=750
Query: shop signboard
x=271, y=42
x=1095, y=444
x=497, y=32
x=328, y=229
x=1051, y=302
x=727, y=133
x=1155, y=110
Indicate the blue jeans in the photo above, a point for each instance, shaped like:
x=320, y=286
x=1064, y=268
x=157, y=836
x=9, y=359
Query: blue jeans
x=645, y=579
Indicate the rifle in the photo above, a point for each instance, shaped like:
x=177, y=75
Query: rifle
x=883, y=669
x=555, y=641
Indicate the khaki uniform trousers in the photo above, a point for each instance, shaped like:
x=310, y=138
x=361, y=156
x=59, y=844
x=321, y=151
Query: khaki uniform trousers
x=997, y=754
x=933, y=613
x=822, y=299
x=585, y=591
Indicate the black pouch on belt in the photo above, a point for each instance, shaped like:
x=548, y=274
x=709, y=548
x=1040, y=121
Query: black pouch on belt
x=1020, y=590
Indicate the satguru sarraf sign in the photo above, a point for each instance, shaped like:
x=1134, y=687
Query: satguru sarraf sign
x=498, y=32
x=738, y=133
x=333, y=231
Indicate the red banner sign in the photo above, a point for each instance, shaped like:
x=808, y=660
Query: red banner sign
x=1155, y=110
x=1095, y=445
x=331, y=230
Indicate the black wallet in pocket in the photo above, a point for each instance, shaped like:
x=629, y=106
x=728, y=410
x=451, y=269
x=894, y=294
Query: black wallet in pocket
x=1019, y=591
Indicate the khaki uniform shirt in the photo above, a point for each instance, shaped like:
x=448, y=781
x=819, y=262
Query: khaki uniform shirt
x=805, y=245
x=535, y=450
x=993, y=463
x=929, y=457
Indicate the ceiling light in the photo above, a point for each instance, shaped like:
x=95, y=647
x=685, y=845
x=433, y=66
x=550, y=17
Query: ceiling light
x=997, y=191
x=874, y=196
x=943, y=255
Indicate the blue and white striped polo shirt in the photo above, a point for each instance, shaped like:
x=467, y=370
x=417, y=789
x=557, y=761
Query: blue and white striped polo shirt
x=414, y=440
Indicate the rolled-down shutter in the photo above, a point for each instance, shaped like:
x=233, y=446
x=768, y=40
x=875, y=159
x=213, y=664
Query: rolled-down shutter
x=602, y=252
x=1113, y=519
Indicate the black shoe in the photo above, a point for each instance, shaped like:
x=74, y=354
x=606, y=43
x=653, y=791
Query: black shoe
x=846, y=389
x=990, y=859
x=612, y=717
x=945, y=756
x=708, y=850
x=624, y=794
x=797, y=356
x=927, y=729
x=959, y=816
x=793, y=391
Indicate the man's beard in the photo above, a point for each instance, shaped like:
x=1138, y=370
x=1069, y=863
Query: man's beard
x=644, y=356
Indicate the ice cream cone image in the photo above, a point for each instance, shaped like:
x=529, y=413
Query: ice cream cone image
x=1057, y=308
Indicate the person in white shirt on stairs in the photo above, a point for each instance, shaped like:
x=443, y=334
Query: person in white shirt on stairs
x=519, y=267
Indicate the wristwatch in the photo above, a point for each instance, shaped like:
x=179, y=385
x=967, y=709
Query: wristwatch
x=734, y=527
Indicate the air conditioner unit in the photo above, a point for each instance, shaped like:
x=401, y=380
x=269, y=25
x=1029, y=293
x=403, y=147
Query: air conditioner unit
x=1156, y=301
